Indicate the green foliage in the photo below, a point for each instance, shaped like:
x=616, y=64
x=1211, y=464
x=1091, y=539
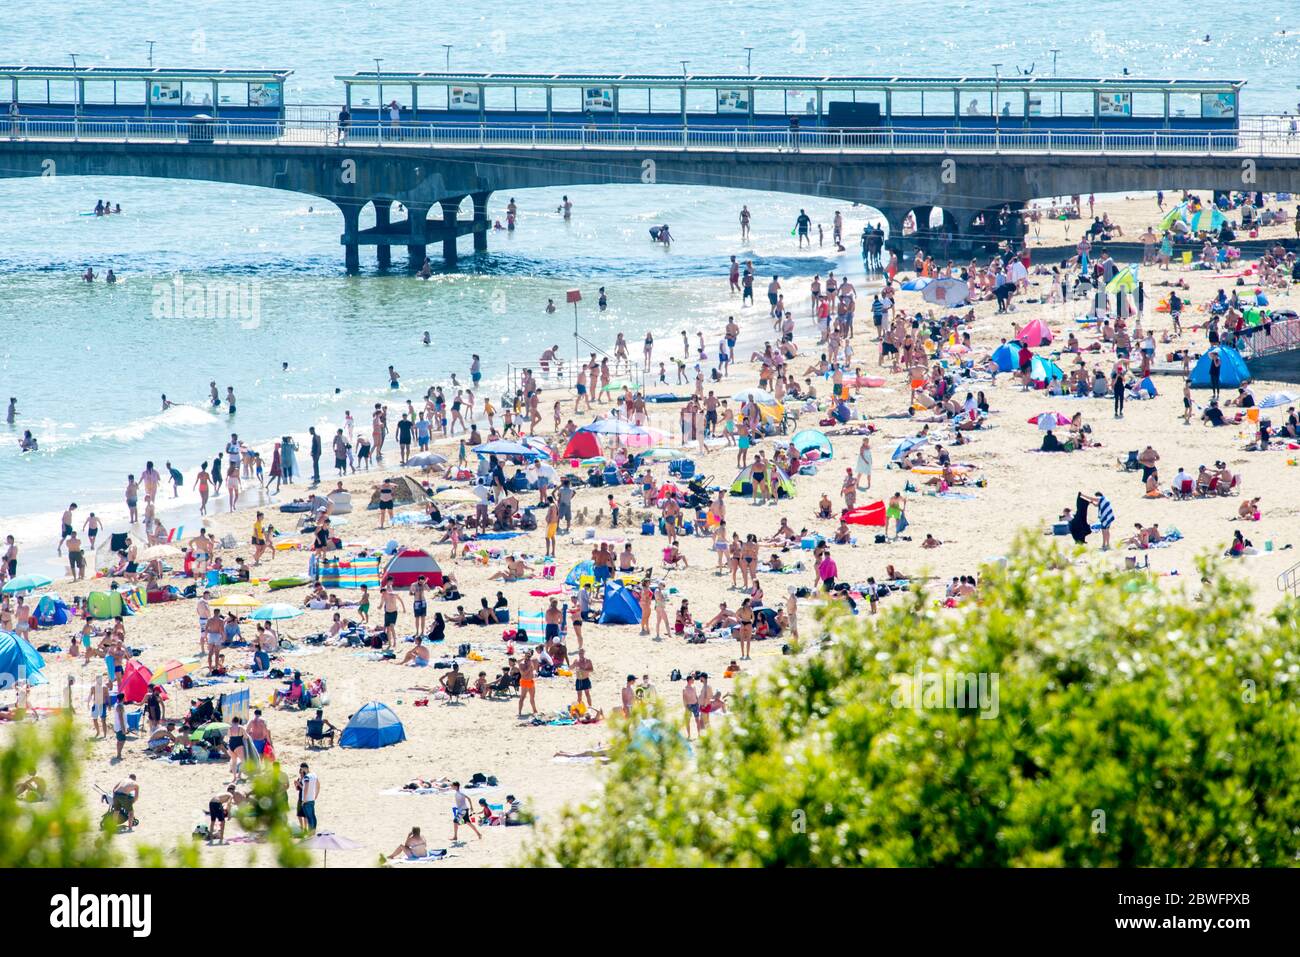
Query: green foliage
x=266, y=812
x=58, y=831
x=1135, y=726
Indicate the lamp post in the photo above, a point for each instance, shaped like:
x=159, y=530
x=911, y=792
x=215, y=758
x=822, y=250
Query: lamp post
x=379, y=96
x=151, y=43
x=749, y=59
x=1060, y=105
x=446, y=47
x=685, y=64
x=997, y=96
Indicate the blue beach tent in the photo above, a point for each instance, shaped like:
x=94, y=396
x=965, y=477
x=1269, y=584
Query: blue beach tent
x=19, y=661
x=621, y=606
x=808, y=439
x=1043, y=370
x=1232, y=369
x=374, y=726
x=52, y=610
x=1007, y=357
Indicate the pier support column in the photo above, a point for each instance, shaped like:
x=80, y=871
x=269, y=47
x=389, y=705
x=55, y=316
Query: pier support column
x=481, y=224
x=416, y=218
x=351, y=226
x=449, y=212
x=383, y=218
x=894, y=241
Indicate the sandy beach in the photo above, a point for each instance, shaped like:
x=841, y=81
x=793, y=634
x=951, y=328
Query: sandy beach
x=1021, y=489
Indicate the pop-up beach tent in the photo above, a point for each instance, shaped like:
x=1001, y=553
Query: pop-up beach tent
x=1043, y=370
x=808, y=439
x=374, y=726
x=743, y=484
x=1035, y=333
x=1232, y=369
x=408, y=565
x=19, y=661
x=583, y=445
x=1006, y=357
x=621, y=606
x=52, y=610
x=406, y=491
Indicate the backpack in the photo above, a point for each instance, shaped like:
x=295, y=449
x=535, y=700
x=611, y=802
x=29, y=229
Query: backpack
x=676, y=675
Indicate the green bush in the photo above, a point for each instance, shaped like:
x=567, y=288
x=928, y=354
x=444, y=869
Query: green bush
x=1135, y=726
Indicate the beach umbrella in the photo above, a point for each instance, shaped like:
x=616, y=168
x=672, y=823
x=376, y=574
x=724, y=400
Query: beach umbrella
x=236, y=601
x=758, y=396
x=916, y=285
x=906, y=446
x=156, y=552
x=660, y=453
x=537, y=445
x=455, y=495
x=327, y=841
x=199, y=733
x=277, y=611
x=502, y=447
x=22, y=583
x=426, y=460
x=1049, y=420
x=946, y=292
x=612, y=427
x=19, y=661
x=1274, y=399
x=172, y=670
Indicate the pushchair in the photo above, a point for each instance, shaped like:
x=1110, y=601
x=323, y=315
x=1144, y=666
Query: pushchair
x=698, y=496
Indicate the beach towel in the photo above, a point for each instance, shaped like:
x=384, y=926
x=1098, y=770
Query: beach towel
x=434, y=855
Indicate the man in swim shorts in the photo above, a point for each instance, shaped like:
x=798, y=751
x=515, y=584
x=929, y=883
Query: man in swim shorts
x=527, y=682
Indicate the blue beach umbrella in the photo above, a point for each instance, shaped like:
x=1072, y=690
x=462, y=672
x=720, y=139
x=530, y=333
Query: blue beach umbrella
x=502, y=447
x=23, y=583
x=275, y=612
x=613, y=427
x=906, y=446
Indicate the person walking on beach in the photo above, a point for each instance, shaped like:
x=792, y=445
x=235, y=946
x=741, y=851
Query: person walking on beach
x=461, y=812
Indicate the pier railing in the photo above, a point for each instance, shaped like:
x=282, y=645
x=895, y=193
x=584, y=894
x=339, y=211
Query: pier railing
x=307, y=128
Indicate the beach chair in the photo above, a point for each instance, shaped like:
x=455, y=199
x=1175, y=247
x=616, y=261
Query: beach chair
x=316, y=733
x=455, y=687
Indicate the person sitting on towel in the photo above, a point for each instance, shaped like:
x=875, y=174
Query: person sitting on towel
x=413, y=848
